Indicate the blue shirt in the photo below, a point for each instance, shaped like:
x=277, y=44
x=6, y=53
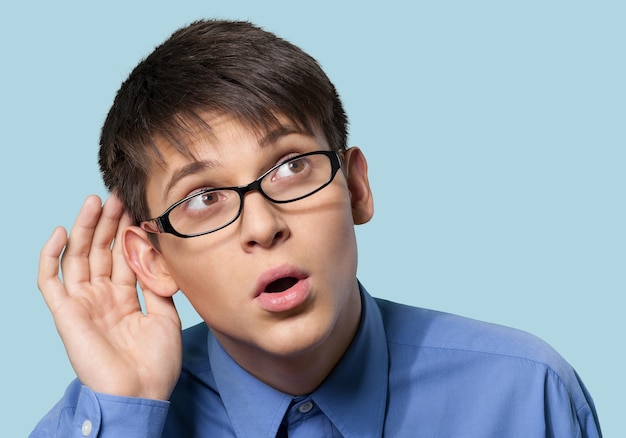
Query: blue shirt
x=408, y=372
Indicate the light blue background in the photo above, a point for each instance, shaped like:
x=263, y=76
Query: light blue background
x=495, y=133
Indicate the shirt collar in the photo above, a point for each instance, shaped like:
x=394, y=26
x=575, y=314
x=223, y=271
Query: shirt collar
x=353, y=396
x=255, y=409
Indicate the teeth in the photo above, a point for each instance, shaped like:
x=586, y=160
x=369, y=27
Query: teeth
x=281, y=284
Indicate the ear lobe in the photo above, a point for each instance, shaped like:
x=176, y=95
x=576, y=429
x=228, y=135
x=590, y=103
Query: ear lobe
x=361, y=197
x=147, y=263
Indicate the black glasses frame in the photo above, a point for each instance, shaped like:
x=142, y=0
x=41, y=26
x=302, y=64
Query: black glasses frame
x=163, y=222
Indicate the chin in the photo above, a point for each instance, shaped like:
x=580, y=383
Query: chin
x=297, y=338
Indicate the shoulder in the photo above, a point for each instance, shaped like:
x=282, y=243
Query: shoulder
x=512, y=380
x=196, y=375
x=195, y=348
x=194, y=339
x=409, y=327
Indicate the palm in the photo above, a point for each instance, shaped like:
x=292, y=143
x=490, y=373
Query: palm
x=113, y=346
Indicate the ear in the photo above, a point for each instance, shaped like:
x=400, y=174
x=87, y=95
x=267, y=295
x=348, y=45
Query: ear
x=361, y=198
x=147, y=263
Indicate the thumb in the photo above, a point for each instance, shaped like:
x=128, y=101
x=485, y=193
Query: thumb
x=158, y=305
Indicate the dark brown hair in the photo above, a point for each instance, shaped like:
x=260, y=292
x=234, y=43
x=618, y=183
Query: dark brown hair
x=210, y=66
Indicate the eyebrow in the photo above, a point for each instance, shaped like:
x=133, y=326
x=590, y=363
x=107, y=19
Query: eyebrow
x=189, y=169
x=194, y=167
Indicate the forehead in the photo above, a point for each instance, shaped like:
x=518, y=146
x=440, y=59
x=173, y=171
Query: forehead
x=197, y=136
x=187, y=130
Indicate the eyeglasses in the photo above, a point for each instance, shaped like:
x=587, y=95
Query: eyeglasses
x=211, y=210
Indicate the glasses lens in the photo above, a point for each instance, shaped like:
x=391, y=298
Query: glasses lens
x=205, y=211
x=297, y=178
x=211, y=210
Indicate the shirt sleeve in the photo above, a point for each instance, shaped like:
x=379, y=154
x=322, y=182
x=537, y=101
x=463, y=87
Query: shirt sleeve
x=85, y=413
x=580, y=420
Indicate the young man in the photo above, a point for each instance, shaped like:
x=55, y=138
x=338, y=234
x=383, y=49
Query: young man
x=225, y=153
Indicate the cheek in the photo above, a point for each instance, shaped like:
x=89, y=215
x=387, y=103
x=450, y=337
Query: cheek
x=331, y=238
x=205, y=279
x=345, y=246
x=197, y=265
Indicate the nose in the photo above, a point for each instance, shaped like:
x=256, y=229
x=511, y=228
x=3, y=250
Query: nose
x=262, y=224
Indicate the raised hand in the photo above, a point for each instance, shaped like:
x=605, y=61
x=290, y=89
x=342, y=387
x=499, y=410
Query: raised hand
x=113, y=346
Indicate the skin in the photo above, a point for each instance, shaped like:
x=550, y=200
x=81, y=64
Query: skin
x=113, y=347
x=116, y=349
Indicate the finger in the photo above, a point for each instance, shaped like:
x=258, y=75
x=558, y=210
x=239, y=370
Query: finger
x=101, y=257
x=75, y=260
x=48, y=280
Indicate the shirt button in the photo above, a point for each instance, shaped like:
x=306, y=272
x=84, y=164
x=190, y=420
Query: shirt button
x=305, y=407
x=86, y=428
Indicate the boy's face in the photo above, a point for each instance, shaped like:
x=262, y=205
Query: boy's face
x=304, y=251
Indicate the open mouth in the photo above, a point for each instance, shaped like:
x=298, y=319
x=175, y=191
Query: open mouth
x=281, y=285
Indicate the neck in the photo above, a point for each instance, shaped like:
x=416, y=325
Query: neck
x=300, y=373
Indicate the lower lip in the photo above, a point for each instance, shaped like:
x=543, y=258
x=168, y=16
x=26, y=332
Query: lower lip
x=286, y=300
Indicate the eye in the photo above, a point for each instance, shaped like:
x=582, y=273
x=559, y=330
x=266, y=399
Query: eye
x=203, y=200
x=290, y=168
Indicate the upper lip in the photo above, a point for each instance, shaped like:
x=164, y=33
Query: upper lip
x=274, y=274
